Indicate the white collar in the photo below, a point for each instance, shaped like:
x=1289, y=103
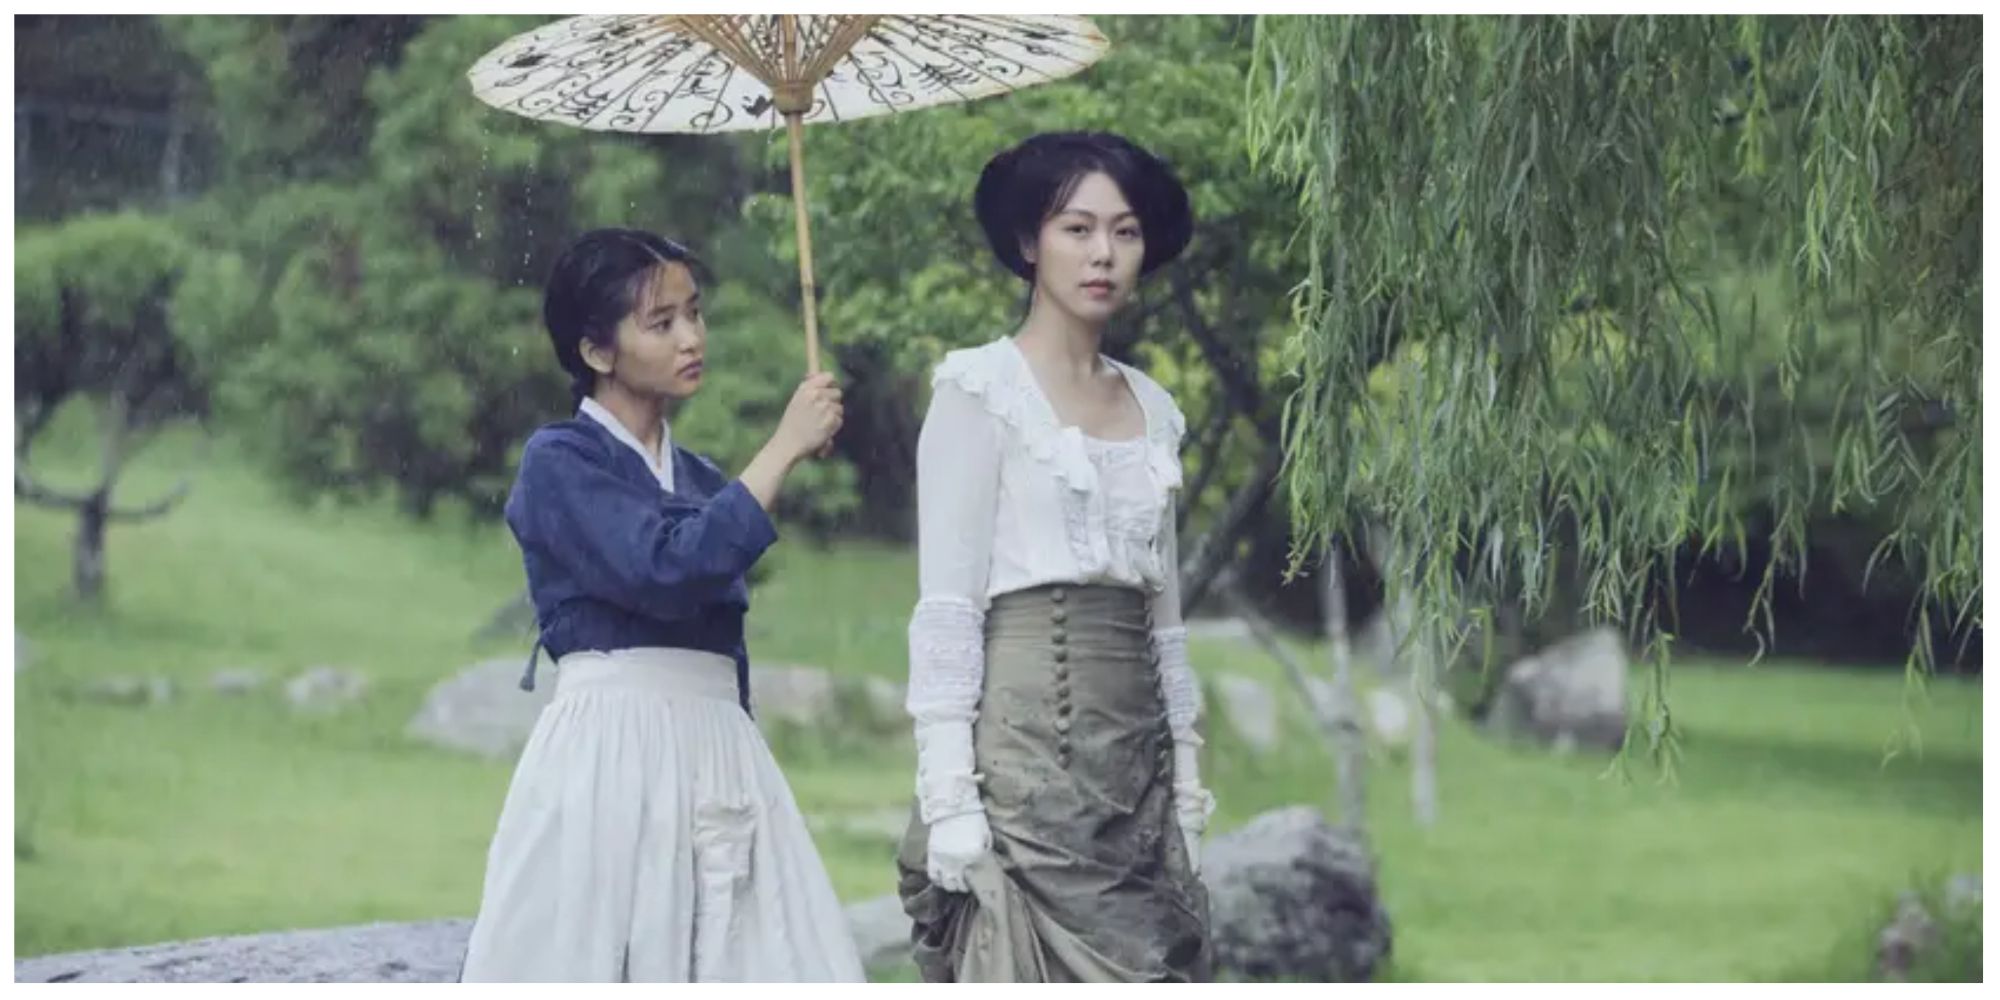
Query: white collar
x=662, y=464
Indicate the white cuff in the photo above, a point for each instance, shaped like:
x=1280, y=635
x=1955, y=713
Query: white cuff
x=1178, y=687
x=947, y=660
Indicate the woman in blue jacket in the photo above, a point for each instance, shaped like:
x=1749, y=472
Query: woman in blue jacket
x=648, y=834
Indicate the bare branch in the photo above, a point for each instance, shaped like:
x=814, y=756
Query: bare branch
x=1209, y=447
x=1239, y=382
x=156, y=508
x=40, y=412
x=1215, y=549
x=1230, y=587
x=28, y=489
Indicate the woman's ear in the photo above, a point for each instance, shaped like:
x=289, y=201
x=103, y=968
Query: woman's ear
x=596, y=355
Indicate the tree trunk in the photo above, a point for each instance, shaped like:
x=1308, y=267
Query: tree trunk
x=89, y=568
x=1208, y=449
x=1423, y=746
x=1217, y=549
x=1339, y=730
x=1419, y=662
x=96, y=509
x=1350, y=750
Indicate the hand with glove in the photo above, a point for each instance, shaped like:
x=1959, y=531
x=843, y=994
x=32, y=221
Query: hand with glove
x=948, y=802
x=1192, y=803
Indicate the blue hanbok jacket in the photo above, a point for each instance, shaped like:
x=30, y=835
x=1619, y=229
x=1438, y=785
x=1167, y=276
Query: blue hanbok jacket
x=616, y=562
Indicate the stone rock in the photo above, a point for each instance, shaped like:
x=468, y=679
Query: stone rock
x=1320, y=691
x=1372, y=645
x=1569, y=695
x=1291, y=897
x=1961, y=894
x=1910, y=933
x=884, y=699
x=426, y=952
x=482, y=710
x=324, y=689
x=126, y=690
x=800, y=695
x=1914, y=931
x=881, y=930
x=1389, y=717
x=1251, y=709
x=236, y=681
x=1218, y=628
x=1382, y=641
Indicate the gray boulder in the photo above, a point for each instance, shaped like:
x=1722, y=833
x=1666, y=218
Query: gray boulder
x=427, y=952
x=1568, y=695
x=804, y=696
x=1910, y=933
x=884, y=699
x=325, y=689
x=1913, y=933
x=1220, y=629
x=376, y=953
x=130, y=690
x=482, y=710
x=1389, y=717
x=881, y=930
x=1291, y=897
x=1961, y=894
x=235, y=682
x=1251, y=711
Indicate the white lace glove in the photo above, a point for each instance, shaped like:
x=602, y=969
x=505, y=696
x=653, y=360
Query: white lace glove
x=956, y=844
x=1193, y=804
x=948, y=801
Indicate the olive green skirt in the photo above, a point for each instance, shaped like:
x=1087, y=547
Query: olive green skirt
x=1089, y=878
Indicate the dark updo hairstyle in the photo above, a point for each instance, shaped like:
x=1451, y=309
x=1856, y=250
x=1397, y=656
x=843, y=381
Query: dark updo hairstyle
x=595, y=284
x=1024, y=186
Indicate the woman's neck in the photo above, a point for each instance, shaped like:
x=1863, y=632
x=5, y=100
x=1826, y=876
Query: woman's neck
x=1061, y=342
x=642, y=416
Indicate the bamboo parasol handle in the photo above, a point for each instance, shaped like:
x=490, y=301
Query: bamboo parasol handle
x=810, y=303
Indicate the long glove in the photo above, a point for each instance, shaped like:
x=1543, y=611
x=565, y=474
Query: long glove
x=1193, y=804
x=948, y=802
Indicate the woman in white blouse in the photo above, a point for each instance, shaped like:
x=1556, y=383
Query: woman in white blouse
x=1059, y=804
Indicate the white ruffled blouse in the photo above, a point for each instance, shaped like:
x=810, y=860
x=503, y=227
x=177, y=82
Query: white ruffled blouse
x=1008, y=498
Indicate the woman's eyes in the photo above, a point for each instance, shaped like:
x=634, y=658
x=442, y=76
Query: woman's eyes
x=1123, y=232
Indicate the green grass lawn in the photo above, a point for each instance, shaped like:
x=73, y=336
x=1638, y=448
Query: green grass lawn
x=1773, y=854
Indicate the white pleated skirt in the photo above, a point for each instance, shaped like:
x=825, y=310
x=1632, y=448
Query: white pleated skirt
x=648, y=836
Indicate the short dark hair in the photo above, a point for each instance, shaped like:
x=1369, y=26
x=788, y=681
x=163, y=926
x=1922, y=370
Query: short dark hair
x=1023, y=186
x=594, y=285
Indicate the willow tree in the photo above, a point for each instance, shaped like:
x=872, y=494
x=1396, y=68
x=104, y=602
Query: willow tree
x=1548, y=225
